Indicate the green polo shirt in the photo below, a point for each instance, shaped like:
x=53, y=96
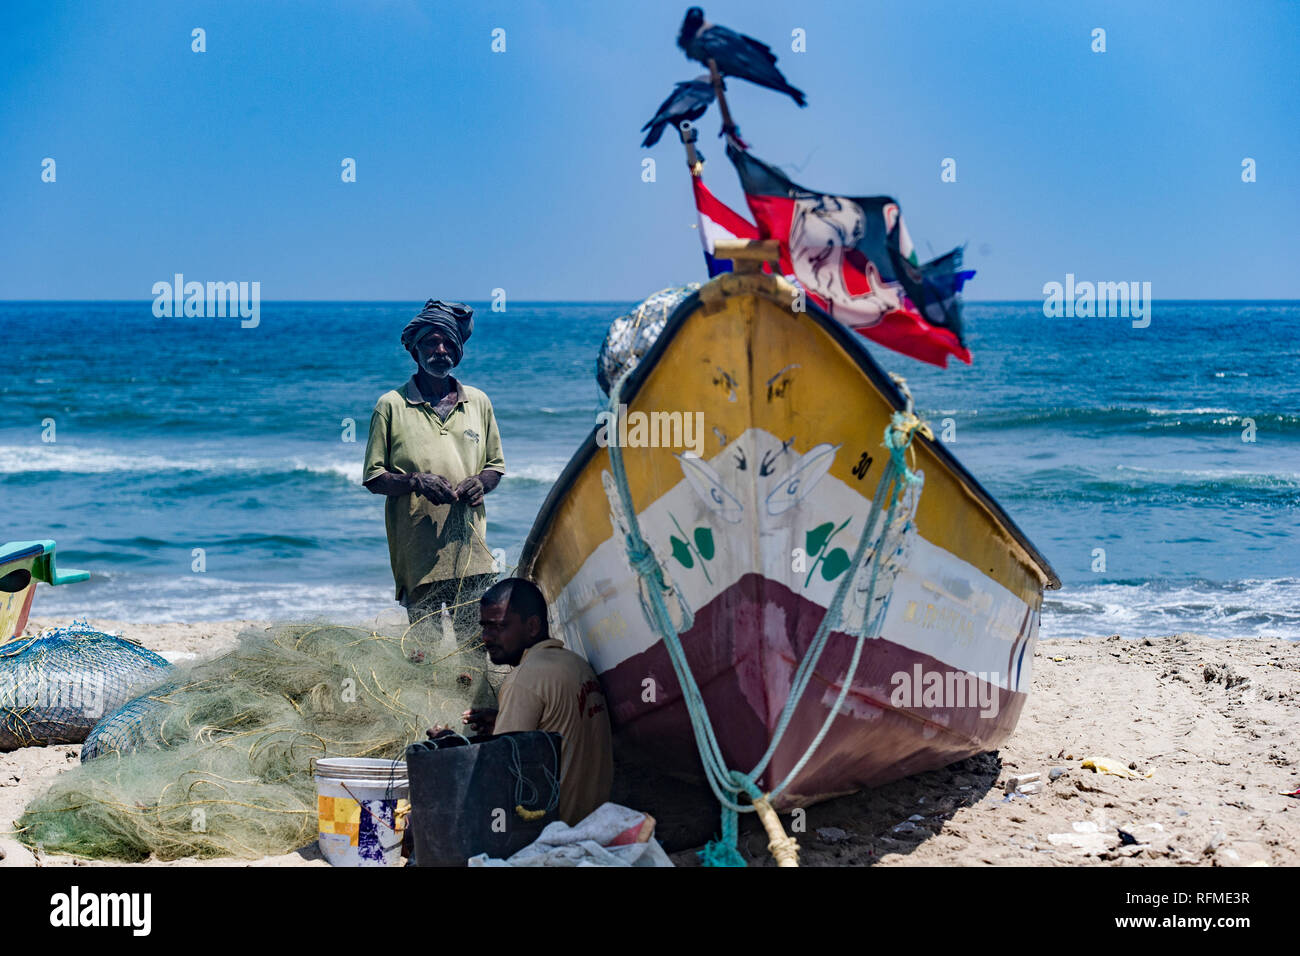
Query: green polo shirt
x=429, y=542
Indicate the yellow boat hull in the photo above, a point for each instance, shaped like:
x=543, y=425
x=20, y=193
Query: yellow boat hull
x=753, y=526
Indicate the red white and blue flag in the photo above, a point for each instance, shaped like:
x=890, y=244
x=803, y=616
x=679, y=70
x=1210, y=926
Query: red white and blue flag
x=718, y=221
x=855, y=259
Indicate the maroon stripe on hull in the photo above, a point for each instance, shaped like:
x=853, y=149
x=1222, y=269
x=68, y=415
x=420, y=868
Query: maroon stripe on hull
x=743, y=649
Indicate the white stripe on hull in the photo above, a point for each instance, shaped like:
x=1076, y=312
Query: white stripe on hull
x=942, y=606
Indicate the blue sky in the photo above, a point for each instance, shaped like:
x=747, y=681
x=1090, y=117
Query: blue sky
x=522, y=170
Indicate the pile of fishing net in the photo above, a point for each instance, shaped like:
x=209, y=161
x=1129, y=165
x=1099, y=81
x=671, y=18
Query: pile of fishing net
x=55, y=686
x=217, y=759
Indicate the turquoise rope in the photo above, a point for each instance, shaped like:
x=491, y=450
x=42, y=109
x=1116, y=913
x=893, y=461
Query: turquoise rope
x=897, y=440
x=728, y=784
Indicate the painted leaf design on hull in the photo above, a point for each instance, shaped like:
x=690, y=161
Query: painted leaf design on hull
x=704, y=543
x=832, y=563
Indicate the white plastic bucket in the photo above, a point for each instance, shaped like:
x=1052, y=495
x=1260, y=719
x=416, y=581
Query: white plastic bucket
x=362, y=805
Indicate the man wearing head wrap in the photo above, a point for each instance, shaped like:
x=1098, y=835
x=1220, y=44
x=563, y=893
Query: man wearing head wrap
x=434, y=452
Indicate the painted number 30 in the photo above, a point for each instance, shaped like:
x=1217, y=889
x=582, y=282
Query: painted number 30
x=863, y=466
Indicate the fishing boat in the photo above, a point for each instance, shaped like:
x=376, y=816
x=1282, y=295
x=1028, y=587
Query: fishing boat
x=754, y=536
x=22, y=565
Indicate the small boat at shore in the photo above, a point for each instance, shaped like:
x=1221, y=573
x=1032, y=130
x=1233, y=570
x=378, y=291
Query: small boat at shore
x=22, y=565
x=926, y=659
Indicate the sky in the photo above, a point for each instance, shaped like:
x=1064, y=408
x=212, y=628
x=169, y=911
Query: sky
x=522, y=170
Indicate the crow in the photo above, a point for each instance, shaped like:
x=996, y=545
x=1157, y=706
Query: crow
x=688, y=101
x=734, y=53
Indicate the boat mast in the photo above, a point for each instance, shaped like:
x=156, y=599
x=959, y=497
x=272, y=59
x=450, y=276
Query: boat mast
x=689, y=134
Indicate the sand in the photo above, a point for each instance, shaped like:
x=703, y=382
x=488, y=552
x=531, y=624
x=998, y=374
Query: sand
x=1214, y=722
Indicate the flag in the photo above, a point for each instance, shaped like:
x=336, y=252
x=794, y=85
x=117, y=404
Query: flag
x=855, y=259
x=718, y=221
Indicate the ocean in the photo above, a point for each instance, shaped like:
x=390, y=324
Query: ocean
x=1118, y=450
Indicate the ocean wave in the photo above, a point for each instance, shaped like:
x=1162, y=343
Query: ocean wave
x=1136, y=417
x=144, y=599
x=545, y=472
x=1254, y=608
x=22, y=459
x=1128, y=484
x=54, y=458
x=47, y=459
x=1172, y=487
x=1177, y=475
x=351, y=470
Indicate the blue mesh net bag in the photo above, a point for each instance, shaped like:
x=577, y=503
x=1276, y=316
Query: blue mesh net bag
x=56, y=686
x=134, y=724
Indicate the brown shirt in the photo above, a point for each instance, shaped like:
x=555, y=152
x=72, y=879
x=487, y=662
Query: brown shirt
x=554, y=689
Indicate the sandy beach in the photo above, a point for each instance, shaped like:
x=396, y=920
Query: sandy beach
x=1213, y=722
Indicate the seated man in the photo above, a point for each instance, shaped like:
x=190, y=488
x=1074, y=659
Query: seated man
x=551, y=689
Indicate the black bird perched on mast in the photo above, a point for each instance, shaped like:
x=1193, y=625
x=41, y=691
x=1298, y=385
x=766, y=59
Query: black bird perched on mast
x=734, y=54
x=688, y=101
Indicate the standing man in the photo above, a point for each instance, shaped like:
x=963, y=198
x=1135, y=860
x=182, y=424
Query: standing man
x=434, y=452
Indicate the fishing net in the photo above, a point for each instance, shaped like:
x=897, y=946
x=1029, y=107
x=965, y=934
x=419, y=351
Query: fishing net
x=217, y=759
x=55, y=686
x=631, y=336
